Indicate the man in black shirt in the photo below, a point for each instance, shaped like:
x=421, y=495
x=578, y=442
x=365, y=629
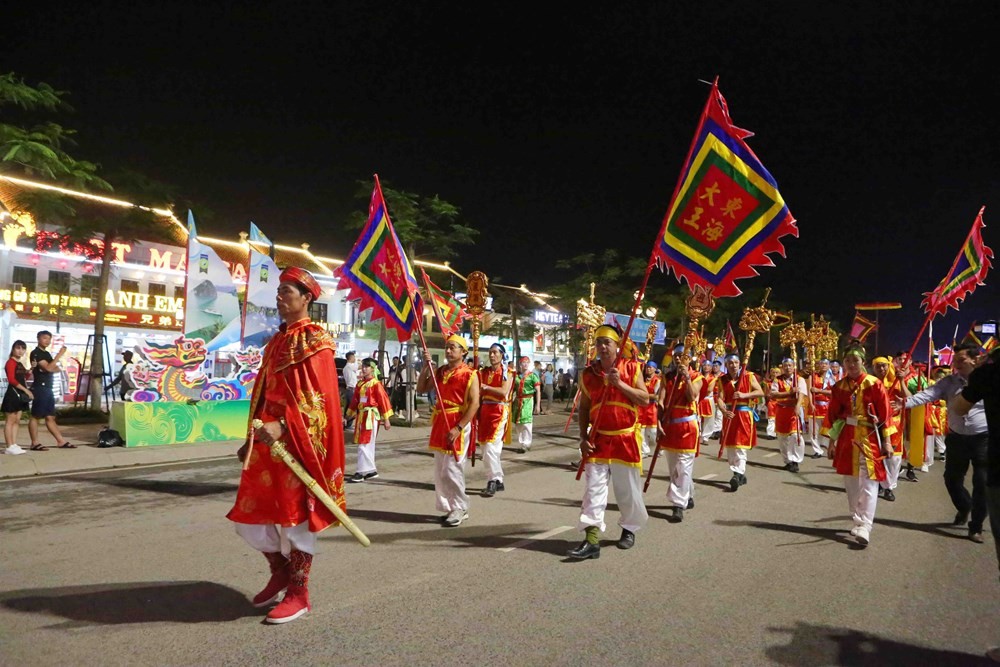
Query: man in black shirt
x=984, y=385
x=44, y=366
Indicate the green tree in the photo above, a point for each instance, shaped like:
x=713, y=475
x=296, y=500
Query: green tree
x=113, y=225
x=38, y=149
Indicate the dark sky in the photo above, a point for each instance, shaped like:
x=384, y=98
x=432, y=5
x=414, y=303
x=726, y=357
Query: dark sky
x=557, y=130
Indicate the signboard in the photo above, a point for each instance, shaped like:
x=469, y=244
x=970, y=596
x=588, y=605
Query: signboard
x=640, y=327
x=124, y=308
x=549, y=317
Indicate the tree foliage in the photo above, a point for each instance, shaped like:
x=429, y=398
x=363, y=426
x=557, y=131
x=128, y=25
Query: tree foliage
x=426, y=226
x=39, y=148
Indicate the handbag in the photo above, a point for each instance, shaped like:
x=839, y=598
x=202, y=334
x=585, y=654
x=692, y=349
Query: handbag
x=24, y=398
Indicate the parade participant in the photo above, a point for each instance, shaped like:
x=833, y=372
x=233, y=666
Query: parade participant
x=297, y=398
x=527, y=403
x=611, y=392
x=458, y=400
x=859, y=426
x=43, y=367
x=706, y=401
x=350, y=383
x=821, y=383
x=717, y=371
x=647, y=413
x=885, y=371
x=738, y=391
x=771, y=405
x=370, y=404
x=678, y=400
x=968, y=438
x=787, y=391
x=494, y=415
x=836, y=372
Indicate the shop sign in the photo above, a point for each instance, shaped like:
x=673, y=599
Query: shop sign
x=549, y=317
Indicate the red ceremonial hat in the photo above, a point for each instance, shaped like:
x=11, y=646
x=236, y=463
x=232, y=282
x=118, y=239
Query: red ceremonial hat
x=294, y=274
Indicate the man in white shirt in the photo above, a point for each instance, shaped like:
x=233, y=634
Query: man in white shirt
x=351, y=380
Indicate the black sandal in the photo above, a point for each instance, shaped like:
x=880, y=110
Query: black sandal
x=39, y=447
x=66, y=445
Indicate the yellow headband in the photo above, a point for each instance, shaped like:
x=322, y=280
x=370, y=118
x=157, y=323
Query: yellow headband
x=604, y=331
x=881, y=360
x=458, y=340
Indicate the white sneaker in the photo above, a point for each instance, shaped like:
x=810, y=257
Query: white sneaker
x=925, y=468
x=455, y=518
x=863, y=535
x=14, y=449
x=854, y=531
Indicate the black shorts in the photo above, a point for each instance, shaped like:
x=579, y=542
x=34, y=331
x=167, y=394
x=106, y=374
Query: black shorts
x=44, y=404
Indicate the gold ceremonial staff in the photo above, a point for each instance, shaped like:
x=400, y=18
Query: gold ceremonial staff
x=476, y=285
x=278, y=449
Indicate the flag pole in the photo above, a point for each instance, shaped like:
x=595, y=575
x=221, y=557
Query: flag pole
x=961, y=250
x=423, y=343
x=652, y=255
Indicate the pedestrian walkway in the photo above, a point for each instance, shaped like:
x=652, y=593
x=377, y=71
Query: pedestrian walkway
x=88, y=456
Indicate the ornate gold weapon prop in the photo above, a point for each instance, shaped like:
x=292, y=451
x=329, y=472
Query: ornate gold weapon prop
x=279, y=450
x=589, y=316
x=476, y=285
x=698, y=306
x=790, y=337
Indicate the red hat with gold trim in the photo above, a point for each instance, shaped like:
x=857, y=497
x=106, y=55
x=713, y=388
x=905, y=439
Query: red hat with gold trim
x=294, y=274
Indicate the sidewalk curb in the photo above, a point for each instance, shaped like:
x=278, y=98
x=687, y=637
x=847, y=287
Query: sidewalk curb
x=88, y=457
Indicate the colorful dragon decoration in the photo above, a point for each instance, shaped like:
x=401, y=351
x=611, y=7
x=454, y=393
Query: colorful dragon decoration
x=174, y=372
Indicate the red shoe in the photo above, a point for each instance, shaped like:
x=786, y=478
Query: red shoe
x=276, y=585
x=295, y=604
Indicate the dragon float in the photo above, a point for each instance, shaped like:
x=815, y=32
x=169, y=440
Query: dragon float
x=175, y=372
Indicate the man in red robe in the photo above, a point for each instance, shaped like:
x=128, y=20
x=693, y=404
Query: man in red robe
x=679, y=423
x=738, y=390
x=457, y=402
x=370, y=404
x=495, y=385
x=859, y=423
x=647, y=413
x=611, y=391
x=297, y=399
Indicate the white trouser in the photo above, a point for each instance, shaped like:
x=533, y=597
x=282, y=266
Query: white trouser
x=819, y=442
x=269, y=538
x=449, y=481
x=648, y=436
x=770, y=427
x=862, y=496
x=928, y=450
x=491, y=456
x=737, y=459
x=366, y=454
x=792, y=447
x=524, y=435
x=717, y=427
x=939, y=446
x=892, y=466
x=628, y=495
x=707, y=428
x=681, y=478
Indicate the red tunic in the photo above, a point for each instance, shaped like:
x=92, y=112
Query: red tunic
x=850, y=402
x=706, y=397
x=298, y=382
x=739, y=432
x=679, y=422
x=613, y=433
x=895, y=390
x=373, y=403
x=453, y=388
x=786, y=419
x=494, y=413
x=821, y=402
x=647, y=413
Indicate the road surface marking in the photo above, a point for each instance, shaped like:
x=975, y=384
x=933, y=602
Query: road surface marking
x=709, y=476
x=772, y=454
x=535, y=538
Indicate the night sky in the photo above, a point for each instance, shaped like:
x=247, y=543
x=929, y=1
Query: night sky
x=557, y=131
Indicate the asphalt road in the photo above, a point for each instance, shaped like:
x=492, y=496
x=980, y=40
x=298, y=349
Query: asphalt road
x=141, y=568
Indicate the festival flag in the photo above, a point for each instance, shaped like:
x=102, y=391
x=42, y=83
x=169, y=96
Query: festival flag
x=726, y=215
x=730, y=337
x=378, y=273
x=211, y=307
x=945, y=355
x=861, y=327
x=447, y=308
x=260, y=319
x=967, y=272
